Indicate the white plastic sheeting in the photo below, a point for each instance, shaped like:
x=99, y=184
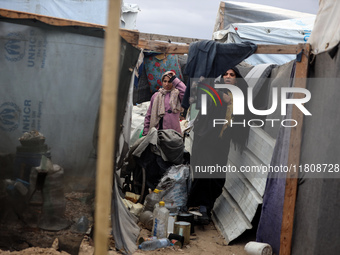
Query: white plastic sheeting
x=291, y=31
x=50, y=82
x=262, y=24
x=326, y=33
x=238, y=12
x=91, y=11
x=129, y=16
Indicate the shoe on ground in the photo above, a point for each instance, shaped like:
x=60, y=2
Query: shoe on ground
x=204, y=219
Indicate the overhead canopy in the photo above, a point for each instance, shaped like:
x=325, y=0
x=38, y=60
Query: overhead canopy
x=235, y=12
x=260, y=24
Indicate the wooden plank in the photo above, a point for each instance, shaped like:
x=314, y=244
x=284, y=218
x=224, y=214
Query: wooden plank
x=168, y=38
x=163, y=47
x=276, y=49
x=131, y=36
x=106, y=145
x=301, y=73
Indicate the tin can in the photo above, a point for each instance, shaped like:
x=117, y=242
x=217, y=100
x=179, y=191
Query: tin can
x=182, y=228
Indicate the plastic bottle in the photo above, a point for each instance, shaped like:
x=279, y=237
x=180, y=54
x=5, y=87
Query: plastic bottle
x=151, y=199
x=154, y=244
x=144, y=239
x=160, y=221
x=171, y=222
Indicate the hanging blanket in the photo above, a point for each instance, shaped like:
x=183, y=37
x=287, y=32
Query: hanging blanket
x=156, y=65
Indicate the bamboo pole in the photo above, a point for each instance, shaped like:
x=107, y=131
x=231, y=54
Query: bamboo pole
x=106, y=145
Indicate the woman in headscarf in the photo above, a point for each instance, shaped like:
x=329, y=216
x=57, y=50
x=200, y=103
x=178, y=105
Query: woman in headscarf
x=165, y=105
x=211, y=144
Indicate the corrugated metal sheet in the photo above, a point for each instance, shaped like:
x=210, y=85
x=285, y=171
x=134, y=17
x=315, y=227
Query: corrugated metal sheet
x=235, y=209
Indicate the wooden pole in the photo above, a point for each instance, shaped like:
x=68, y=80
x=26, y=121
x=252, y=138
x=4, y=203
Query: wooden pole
x=301, y=73
x=106, y=145
x=173, y=48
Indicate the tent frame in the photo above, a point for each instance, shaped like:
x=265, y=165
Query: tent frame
x=137, y=39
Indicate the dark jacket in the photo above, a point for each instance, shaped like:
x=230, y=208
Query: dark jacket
x=210, y=59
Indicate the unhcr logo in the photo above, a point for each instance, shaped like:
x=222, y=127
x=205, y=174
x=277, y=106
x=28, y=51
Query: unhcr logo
x=15, y=47
x=9, y=116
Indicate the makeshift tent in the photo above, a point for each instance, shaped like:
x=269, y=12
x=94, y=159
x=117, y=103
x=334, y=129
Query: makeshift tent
x=51, y=80
x=239, y=22
x=317, y=135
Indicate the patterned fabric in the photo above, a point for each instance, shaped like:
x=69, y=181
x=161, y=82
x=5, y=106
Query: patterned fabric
x=156, y=65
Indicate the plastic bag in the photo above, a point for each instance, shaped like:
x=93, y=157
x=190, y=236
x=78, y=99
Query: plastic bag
x=174, y=185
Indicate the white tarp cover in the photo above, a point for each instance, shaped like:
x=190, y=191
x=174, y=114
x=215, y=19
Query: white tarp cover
x=262, y=24
x=129, y=16
x=92, y=11
x=293, y=31
x=326, y=32
x=50, y=81
x=239, y=12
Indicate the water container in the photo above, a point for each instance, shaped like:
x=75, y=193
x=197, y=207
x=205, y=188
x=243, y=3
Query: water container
x=151, y=199
x=144, y=239
x=154, y=244
x=160, y=221
x=171, y=222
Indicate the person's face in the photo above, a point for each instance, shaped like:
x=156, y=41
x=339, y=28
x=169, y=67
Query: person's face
x=229, y=77
x=166, y=84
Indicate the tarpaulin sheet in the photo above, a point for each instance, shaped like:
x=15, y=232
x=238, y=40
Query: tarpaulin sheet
x=237, y=12
x=316, y=220
x=261, y=24
x=326, y=33
x=51, y=82
x=91, y=11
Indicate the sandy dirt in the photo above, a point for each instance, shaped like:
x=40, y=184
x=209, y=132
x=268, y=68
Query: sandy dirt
x=18, y=238
x=205, y=240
